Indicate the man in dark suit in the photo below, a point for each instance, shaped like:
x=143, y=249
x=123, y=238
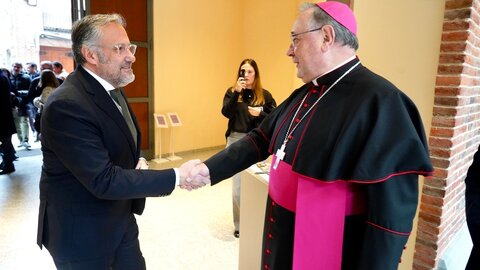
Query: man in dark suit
x=7, y=127
x=472, y=210
x=91, y=182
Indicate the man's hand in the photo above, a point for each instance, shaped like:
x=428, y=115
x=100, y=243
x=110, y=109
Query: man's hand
x=142, y=164
x=194, y=174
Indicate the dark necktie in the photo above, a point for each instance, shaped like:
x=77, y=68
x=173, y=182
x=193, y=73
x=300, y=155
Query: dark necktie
x=117, y=96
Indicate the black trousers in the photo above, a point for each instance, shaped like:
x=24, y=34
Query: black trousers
x=127, y=256
x=472, y=209
x=7, y=150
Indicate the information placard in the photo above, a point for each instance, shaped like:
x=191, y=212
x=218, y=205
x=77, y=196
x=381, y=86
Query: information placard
x=174, y=119
x=160, y=120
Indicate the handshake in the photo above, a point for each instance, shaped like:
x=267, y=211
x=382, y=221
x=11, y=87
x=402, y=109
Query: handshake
x=193, y=174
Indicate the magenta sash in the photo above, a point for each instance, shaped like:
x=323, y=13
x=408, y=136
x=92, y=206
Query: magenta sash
x=320, y=209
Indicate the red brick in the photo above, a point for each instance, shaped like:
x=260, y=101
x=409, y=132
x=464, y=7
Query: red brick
x=425, y=251
x=435, y=182
x=443, y=121
x=417, y=266
x=427, y=243
x=425, y=261
x=456, y=4
x=440, y=142
x=452, y=47
x=434, y=211
x=440, y=162
x=428, y=190
x=429, y=218
x=431, y=200
x=456, y=25
x=440, y=152
x=445, y=111
x=455, y=35
x=447, y=91
x=457, y=14
x=451, y=58
x=442, y=132
x=446, y=101
x=440, y=173
x=451, y=80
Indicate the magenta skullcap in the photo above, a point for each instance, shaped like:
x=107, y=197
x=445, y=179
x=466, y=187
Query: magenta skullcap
x=341, y=13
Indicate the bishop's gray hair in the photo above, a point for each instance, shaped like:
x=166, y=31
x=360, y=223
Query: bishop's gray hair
x=320, y=17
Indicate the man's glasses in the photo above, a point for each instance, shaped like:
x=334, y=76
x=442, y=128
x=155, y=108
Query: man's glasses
x=122, y=48
x=294, y=36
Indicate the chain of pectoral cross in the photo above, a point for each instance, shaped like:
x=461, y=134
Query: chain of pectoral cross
x=280, y=154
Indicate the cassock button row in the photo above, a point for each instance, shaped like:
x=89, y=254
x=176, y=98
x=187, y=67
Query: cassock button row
x=290, y=137
x=268, y=251
x=273, y=203
x=305, y=105
x=297, y=120
x=272, y=220
x=314, y=91
x=266, y=266
x=270, y=236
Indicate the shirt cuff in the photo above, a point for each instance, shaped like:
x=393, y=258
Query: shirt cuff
x=177, y=176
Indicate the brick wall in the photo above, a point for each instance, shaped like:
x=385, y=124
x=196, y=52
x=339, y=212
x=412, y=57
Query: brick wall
x=454, y=136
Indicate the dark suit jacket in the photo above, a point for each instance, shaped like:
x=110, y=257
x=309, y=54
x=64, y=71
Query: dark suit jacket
x=472, y=199
x=7, y=126
x=89, y=187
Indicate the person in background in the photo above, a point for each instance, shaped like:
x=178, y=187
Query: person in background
x=59, y=71
x=348, y=147
x=93, y=179
x=7, y=127
x=21, y=83
x=34, y=91
x=48, y=82
x=472, y=210
x=32, y=70
x=245, y=104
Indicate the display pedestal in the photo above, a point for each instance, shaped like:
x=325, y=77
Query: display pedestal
x=172, y=155
x=160, y=123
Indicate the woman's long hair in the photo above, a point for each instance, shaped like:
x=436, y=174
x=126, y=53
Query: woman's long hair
x=48, y=78
x=258, y=98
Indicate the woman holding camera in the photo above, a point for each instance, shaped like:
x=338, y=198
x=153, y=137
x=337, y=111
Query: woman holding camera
x=245, y=105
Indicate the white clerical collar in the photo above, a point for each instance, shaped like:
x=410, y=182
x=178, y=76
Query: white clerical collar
x=337, y=66
x=103, y=82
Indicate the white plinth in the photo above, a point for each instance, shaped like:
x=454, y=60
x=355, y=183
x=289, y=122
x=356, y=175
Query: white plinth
x=173, y=157
x=160, y=160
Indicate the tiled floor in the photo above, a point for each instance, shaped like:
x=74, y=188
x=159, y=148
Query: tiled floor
x=186, y=230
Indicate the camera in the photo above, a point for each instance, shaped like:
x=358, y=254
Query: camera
x=242, y=73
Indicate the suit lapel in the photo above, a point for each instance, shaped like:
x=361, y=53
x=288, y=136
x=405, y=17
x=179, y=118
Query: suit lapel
x=105, y=103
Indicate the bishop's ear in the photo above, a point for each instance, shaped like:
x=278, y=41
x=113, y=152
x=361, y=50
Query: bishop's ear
x=328, y=36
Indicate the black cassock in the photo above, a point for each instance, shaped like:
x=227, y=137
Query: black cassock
x=472, y=210
x=346, y=192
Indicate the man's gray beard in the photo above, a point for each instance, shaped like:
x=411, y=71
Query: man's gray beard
x=124, y=81
x=118, y=82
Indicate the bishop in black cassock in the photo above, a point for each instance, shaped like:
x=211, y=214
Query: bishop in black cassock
x=347, y=147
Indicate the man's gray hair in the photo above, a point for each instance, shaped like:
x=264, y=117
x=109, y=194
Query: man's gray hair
x=86, y=32
x=320, y=18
